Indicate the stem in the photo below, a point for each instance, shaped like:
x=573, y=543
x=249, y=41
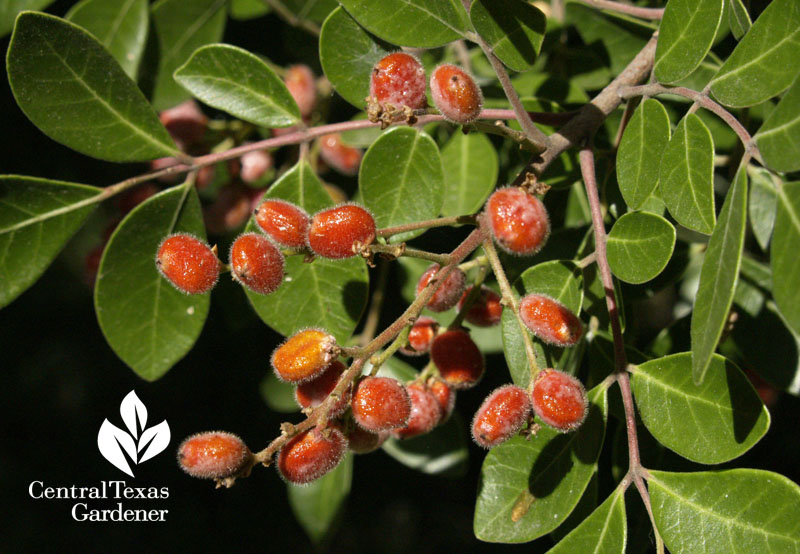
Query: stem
x=398, y=250
x=619, y=7
x=290, y=18
x=429, y=224
x=473, y=295
x=375, y=305
x=379, y=359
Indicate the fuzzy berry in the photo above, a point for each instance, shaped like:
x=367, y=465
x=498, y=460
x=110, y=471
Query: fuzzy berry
x=340, y=156
x=286, y=223
x=380, y=404
x=445, y=396
x=455, y=94
x=399, y=79
x=254, y=165
x=361, y=441
x=304, y=355
x=425, y=413
x=559, y=400
x=185, y=123
x=501, y=416
x=311, y=454
x=313, y=393
x=256, y=263
x=550, y=320
x=518, y=221
x=213, y=455
x=486, y=310
x=334, y=231
x=188, y=263
x=420, y=336
x=458, y=359
x=301, y=84
x=447, y=292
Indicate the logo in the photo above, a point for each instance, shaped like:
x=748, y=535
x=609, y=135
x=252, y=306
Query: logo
x=136, y=445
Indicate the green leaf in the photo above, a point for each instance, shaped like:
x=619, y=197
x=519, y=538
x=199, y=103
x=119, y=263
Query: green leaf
x=316, y=504
x=561, y=280
x=311, y=10
x=639, y=156
x=685, y=36
x=182, y=27
x=762, y=205
x=737, y=511
x=37, y=218
x=527, y=488
x=401, y=179
x=148, y=323
x=603, y=532
x=639, y=246
x=443, y=451
x=119, y=25
x=278, y=395
x=470, y=172
x=738, y=18
x=687, y=175
x=417, y=23
x=764, y=63
x=778, y=139
x=248, y=9
x=325, y=293
x=237, y=82
x=348, y=53
x=718, y=277
x=55, y=67
x=9, y=9
x=784, y=261
x=513, y=30
x=712, y=423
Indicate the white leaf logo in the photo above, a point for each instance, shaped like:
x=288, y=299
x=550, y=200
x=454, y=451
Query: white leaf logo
x=136, y=445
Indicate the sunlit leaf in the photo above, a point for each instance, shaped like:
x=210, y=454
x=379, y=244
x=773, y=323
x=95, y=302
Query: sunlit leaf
x=784, y=260
x=738, y=18
x=602, y=532
x=778, y=139
x=513, y=30
x=685, y=36
x=470, y=173
x=639, y=246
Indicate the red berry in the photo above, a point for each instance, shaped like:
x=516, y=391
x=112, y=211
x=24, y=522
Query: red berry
x=213, y=455
x=313, y=393
x=254, y=165
x=501, y=416
x=256, y=263
x=549, y=320
x=458, y=359
x=304, y=355
x=229, y=211
x=188, y=263
x=559, y=400
x=185, y=123
x=486, y=310
x=340, y=156
x=420, y=336
x=447, y=293
x=380, y=404
x=311, y=454
x=445, y=396
x=301, y=84
x=518, y=221
x=286, y=223
x=425, y=413
x=455, y=94
x=333, y=232
x=769, y=395
x=361, y=441
x=399, y=79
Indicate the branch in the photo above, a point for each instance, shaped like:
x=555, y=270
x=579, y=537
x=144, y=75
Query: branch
x=429, y=224
x=619, y=7
x=290, y=18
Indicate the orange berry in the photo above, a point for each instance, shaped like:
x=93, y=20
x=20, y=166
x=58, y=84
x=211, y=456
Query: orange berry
x=486, y=311
x=301, y=84
x=447, y=293
x=380, y=404
x=361, y=441
x=256, y=263
x=188, y=263
x=314, y=392
x=455, y=94
x=399, y=79
x=340, y=156
x=304, y=355
x=458, y=359
x=559, y=400
x=213, y=455
x=185, y=123
x=334, y=231
x=445, y=396
x=425, y=413
x=311, y=454
x=518, y=221
x=549, y=320
x=420, y=336
x=286, y=223
x=501, y=416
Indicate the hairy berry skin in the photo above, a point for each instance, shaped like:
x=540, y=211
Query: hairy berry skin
x=256, y=263
x=559, y=400
x=380, y=404
x=458, y=359
x=304, y=356
x=340, y=156
x=486, y=311
x=213, y=455
x=301, y=84
x=501, y=416
x=549, y=320
x=361, y=441
x=425, y=413
x=311, y=454
x=313, y=393
x=518, y=221
x=254, y=165
x=399, y=79
x=284, y=222
x=445, y=396
x=188, y=263
x=455, y=94
x=185, y=123
x=333, y=232
x=420, y=336
x=447, y=293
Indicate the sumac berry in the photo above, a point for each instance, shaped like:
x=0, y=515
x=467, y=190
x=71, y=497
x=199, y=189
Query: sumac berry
x=486, y=310
x=361, y=441
x=314, y=392
x=311, y=454
x=188, y=263
x=286, y=223
x=447, y=292
x=254, y=165
x=340, y=156
x=559, y=400
x=420, y=336
x=334, y=231
x=550, y=320
x=399, y=79
x=301, y=84
x=304, y=355
x=455, y=94
x=380, y=404
x=501, y=416
x=518, y=221
x=425, y=413
x=458, y=359
x=213, y=455
x=256, y=263
x=445, y=396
